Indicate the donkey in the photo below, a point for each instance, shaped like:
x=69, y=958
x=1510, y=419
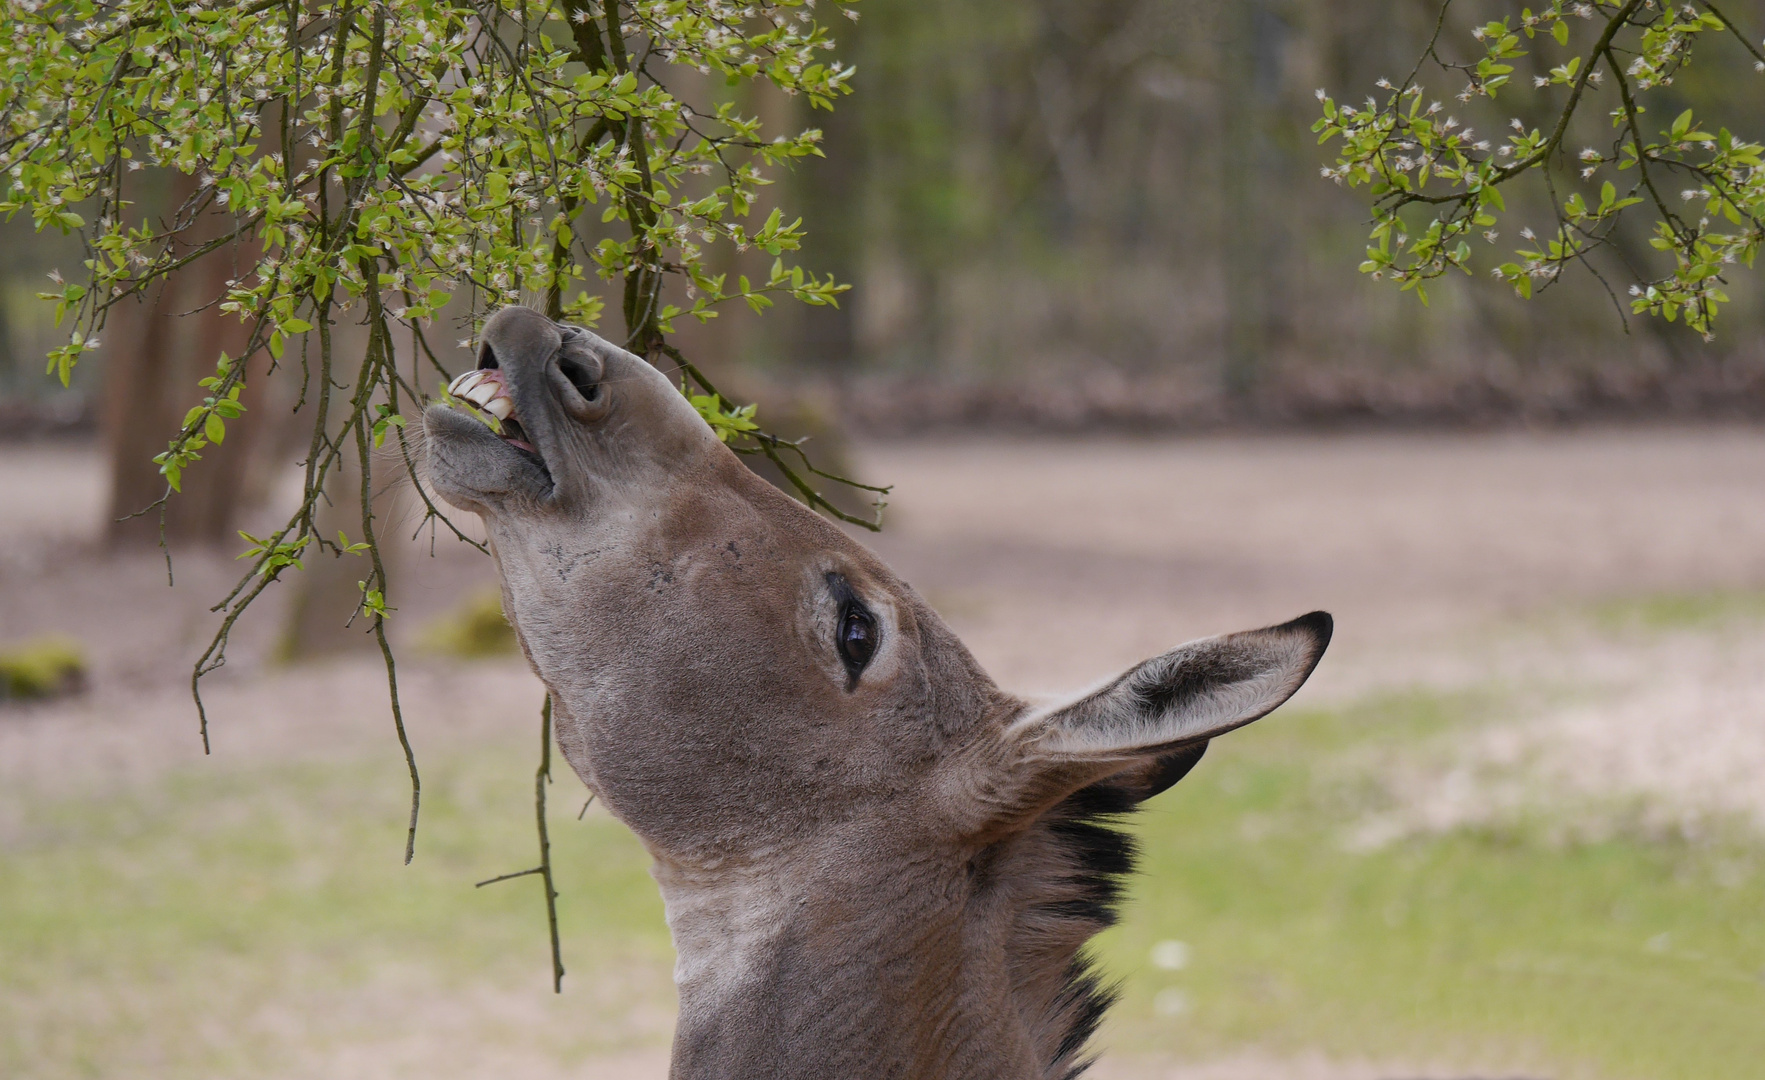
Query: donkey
x=874, y=862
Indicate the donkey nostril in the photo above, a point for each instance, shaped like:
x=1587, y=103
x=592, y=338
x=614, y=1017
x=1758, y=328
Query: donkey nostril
x=579, y=377
x=486, y=358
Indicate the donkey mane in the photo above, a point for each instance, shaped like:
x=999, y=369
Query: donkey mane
x=1068, y=872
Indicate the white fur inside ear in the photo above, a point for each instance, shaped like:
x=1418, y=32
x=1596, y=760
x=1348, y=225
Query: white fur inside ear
x=1196, y=691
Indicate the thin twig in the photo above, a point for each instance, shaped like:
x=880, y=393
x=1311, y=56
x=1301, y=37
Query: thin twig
x=509, y=877
x=378, y=348
x=541, y=777
x=769, y=445
x=1728, y=23
x=1433, y=40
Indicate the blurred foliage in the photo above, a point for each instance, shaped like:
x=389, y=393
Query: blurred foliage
x=1055, y=191
x=40, y=668
x=476, y=628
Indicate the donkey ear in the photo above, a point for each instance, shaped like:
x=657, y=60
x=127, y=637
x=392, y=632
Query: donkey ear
x=1156, y=717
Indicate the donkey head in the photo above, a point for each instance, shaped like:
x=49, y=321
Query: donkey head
x=875, y=862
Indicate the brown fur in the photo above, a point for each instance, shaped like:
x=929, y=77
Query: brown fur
x=887, y=875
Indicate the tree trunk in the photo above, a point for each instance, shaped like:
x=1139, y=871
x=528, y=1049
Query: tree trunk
x=1252, y=252
x=156, y=350
x=326, y=591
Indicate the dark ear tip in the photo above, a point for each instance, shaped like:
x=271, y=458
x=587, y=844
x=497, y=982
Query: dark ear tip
x=1318, y=624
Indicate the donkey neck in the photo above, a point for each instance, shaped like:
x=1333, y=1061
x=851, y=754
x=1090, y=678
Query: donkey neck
x=840, y=972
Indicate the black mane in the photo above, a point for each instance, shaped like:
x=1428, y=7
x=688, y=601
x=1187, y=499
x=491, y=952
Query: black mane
x=1101, y=857
x=1075, y=862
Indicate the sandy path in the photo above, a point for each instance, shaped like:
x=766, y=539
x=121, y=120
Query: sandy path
x=1444, y=559
x=1062, y=561
x=1059, y=562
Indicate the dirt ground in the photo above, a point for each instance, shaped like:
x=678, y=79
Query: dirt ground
x=1061, y=561
x=1448, y=560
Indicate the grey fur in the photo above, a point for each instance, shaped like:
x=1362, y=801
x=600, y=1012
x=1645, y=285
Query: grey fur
x=891, y=876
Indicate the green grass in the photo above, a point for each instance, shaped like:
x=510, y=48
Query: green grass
x=1677, y=611
x=1627, y=958
x=164, y=932
x=171, y=931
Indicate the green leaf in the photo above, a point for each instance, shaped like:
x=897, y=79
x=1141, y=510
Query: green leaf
x=1561, y=32
x=215, y=428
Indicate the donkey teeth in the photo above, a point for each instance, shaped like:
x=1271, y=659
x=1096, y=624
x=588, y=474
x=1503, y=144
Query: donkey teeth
x=485, y=391
x=490, y=397
x=461, y=385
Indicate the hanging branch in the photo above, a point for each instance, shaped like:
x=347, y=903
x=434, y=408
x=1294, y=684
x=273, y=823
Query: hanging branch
x=1397, y=146
x=736, y=426
x=648, y=319
x=371, y=160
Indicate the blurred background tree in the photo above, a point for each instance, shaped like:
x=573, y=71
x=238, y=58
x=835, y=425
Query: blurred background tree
x=1061, y=213
x=1067, y=214
x=1057, y=214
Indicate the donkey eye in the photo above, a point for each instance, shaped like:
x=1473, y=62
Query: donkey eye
x=857, y=639
x=856, y=634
